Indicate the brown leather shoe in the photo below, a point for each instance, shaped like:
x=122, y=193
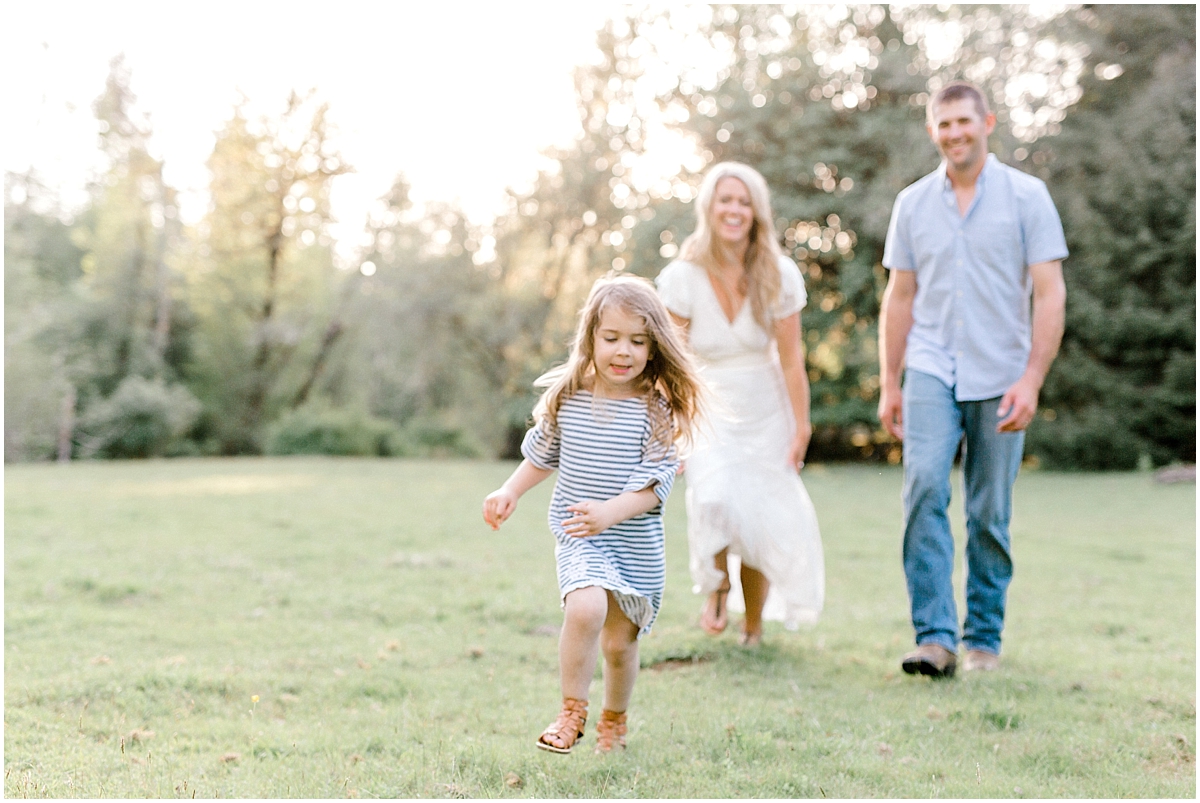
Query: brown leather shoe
x=980, y=661
x=930, y=659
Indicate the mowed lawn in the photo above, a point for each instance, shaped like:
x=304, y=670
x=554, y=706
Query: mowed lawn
x=351, y=628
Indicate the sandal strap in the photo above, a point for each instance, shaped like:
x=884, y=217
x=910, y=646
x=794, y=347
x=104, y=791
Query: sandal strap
x=567, y=728
x=610, y=730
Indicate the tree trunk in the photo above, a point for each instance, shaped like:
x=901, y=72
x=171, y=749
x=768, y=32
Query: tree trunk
x=162, y=315
x=66, y=424
x=259, y=379
x=332, y=333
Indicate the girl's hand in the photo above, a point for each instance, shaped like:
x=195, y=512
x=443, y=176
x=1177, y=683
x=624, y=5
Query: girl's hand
x=591, y=518
x=498, y=506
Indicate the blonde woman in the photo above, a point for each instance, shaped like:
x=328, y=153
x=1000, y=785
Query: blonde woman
x=752, y=529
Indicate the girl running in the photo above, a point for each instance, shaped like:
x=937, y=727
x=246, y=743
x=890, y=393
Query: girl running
x=609, y=421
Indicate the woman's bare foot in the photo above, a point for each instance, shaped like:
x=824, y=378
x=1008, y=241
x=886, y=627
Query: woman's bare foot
x=747, y=639
x=714, y=616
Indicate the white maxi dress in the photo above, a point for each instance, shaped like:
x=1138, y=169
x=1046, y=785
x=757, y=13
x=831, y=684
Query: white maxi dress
x=741, y=492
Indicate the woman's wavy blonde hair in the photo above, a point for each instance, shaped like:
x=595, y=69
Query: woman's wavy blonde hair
x=760, y=283
x=670, y=383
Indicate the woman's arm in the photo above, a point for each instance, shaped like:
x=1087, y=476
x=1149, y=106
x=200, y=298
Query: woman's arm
x=501, y=503
x=795, y=378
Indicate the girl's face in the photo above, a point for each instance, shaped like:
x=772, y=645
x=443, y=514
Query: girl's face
x=732, y=214
x=620, y=351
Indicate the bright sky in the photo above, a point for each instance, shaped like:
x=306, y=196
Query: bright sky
x=461, y=97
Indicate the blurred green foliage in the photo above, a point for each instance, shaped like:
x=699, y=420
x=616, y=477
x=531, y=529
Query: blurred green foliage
x=437, y=336
x=142, y=418
x=1123, y=174
x=332, y=432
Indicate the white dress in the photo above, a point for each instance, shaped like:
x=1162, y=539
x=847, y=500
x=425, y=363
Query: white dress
x=741, y=492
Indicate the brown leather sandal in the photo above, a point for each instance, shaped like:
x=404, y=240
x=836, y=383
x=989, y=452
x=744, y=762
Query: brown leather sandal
x=610, y=731
x=564, y=732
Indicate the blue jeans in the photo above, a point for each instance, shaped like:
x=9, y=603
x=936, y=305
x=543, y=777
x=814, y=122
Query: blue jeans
x=934, y=425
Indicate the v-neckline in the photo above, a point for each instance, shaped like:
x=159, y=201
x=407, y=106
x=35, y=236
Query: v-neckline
x=712, y=289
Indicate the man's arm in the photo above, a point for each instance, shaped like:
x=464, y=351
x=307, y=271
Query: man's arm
x=1019, y=403
x=895, y=321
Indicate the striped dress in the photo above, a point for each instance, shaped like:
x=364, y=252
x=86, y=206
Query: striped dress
x=603, y=448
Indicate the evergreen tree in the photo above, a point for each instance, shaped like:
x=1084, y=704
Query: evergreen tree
x=1122, y=173
x=828, y=104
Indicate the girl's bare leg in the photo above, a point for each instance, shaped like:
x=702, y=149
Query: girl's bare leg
x=579, y=642
x=618, y=641
x=714, y=615
x=754, y=592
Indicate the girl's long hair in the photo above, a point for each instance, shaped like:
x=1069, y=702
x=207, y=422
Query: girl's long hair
x=670, y=383
x=761, y=280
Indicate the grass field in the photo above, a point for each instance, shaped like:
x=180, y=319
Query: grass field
x=343, y=628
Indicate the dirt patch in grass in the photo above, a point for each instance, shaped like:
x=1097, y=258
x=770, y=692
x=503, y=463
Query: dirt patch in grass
x=678, y=661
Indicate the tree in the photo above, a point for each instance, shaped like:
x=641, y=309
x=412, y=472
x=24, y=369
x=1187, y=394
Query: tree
x=1122, y=173
x=413, y=312
x=262, y=277
x=573, y=225
x=828, y=103
x=41, y=265
x=109, y=323
x=128, y=231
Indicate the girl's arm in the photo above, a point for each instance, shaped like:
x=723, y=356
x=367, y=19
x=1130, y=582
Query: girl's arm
x=795, y=377
x=593, y=518
x=500, y=504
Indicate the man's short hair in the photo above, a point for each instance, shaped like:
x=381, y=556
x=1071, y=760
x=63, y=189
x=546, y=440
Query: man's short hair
x=957, y=90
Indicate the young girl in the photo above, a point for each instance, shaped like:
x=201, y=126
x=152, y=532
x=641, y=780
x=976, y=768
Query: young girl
x=608, y=421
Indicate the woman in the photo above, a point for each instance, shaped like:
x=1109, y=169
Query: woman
x=739, y=300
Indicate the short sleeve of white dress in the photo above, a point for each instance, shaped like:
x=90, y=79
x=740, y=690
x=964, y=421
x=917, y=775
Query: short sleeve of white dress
x=674, y=288
x=792, y=296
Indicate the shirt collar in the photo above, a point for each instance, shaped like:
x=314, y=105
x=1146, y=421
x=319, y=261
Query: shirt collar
x=988, y=166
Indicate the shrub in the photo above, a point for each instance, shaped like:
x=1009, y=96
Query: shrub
x=320, y=430
x=142, y=418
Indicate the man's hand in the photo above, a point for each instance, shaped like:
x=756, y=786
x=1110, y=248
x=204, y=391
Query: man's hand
x=1018, y=406
x=891, y=411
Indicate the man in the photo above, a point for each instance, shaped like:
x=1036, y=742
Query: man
x=967, y=246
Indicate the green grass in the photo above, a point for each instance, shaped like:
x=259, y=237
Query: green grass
x=399, y=648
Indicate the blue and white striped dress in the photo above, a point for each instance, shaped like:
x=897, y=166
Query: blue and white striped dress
x=603, y=448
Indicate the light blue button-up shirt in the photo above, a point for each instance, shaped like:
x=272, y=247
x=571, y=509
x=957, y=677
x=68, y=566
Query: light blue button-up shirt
x=971, y=315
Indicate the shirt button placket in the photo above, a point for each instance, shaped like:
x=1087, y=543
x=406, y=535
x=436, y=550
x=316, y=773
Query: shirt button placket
x=960, y=244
